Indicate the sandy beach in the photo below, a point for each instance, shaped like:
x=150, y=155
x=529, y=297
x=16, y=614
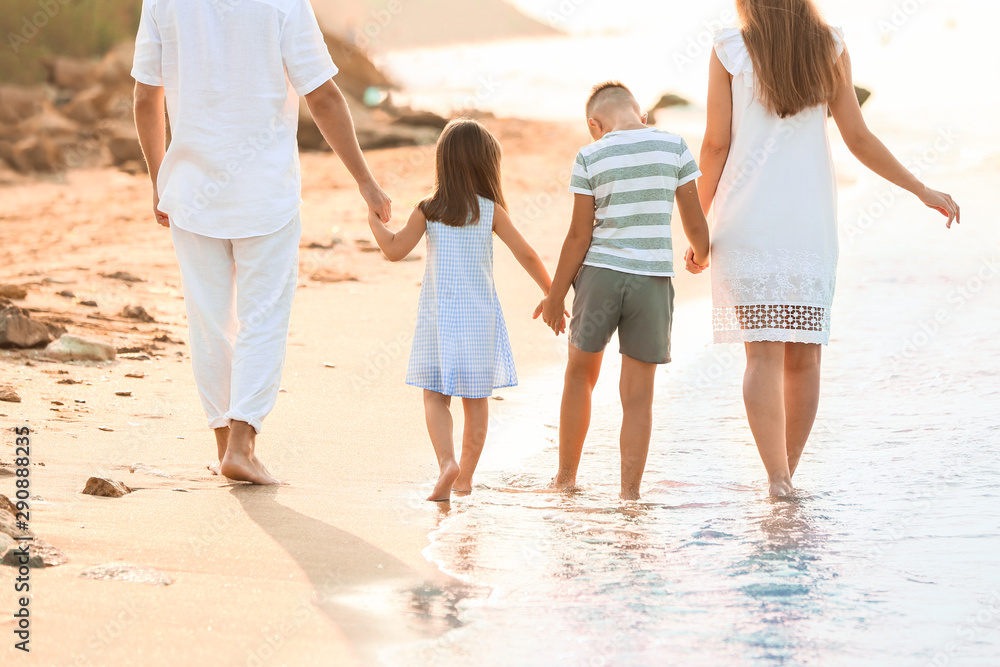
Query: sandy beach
x=322, y=571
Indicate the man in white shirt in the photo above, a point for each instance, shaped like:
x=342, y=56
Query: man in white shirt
x=228, y=187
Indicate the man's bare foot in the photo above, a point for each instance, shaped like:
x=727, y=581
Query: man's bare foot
x=442, y=490
x=246, y=468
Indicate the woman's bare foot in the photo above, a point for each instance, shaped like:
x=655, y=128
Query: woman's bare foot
x=246, y=468
x=781, y=488
x=215, y=468
x=442, y=490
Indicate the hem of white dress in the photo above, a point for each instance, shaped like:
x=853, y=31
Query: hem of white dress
x=772, y=336
x=444, y=392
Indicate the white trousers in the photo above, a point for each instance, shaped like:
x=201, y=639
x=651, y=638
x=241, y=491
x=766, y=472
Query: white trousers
x=238, y=296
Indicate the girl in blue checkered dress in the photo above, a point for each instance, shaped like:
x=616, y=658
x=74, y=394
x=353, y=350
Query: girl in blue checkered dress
x=460, y=347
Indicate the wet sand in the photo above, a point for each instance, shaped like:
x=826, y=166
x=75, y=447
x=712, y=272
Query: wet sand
x=326, y=570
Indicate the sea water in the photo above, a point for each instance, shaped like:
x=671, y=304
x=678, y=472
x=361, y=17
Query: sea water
x=888, y=553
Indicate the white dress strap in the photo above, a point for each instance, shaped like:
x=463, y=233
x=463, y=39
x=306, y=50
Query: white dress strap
x=733, y=53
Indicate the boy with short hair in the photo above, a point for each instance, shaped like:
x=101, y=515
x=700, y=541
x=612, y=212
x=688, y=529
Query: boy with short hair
x=618, y=255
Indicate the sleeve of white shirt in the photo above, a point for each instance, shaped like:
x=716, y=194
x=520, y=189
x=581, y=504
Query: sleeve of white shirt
x=303, y=50
x=147, y=66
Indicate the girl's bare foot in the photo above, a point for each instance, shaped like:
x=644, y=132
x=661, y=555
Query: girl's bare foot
x=563, y=482
x=246, y=468
x=629, y=494
x=215, y=468
x=442, y=490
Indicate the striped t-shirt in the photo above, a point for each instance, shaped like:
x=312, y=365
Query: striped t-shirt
x=632, y=175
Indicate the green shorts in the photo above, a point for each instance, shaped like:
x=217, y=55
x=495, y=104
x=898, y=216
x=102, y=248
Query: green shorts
x=641, y=308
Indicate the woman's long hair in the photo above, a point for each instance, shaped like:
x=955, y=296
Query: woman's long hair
x=468, y=165
x=793, y=52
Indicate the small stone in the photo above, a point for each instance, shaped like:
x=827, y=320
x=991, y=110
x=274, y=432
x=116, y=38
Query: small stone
x=8, y=395
x=17, y=329
x=9, y=524
x=13, y=292
x=90, y=303
x=105, y=429
x=74, y=348
x=329, y=365
x=124, y=394
x=126, y=572
x=105, y=488
x=69, y=381
x=124, y=276
x=136, y=313
x=66, y=294
x=136, y=376
x=8, y=505
x=40, y=554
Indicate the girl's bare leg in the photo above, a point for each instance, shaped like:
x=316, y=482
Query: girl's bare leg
x=582, y=371
x=763, y=394
x=477, y=421
x=802, y=387
x=440, y=427
x=637, y=422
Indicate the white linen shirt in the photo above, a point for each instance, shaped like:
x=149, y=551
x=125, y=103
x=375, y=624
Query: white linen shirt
x=232, y=71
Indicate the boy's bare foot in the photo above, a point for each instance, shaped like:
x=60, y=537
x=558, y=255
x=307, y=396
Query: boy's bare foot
x=246, y=468
x=629, y=494
x=442, y=490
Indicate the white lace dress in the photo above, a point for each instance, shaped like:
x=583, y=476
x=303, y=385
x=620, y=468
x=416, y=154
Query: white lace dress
x=774, y=238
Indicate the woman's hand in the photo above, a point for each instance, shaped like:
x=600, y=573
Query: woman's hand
x=692, y=266
x=943, y=203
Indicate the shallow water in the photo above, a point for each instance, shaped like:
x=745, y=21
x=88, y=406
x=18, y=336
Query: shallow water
x=889, y=553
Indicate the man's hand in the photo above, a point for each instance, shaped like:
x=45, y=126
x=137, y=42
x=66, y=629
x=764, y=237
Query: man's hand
x=693, y=266
x=553, y=313
x=377, y=200
x=162, y=219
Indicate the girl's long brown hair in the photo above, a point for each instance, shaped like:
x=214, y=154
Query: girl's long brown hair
x=468, y=165
x=793, y=52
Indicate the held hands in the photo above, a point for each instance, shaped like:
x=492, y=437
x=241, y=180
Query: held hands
x=553, y=312
x=693, y=266
x=377, y=200
x=942, y=203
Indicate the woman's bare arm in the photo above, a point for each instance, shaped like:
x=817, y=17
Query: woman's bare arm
x=718, y=132
x=872, y=153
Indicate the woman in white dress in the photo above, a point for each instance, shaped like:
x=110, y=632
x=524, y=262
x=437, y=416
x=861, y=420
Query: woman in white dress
x=768, y=170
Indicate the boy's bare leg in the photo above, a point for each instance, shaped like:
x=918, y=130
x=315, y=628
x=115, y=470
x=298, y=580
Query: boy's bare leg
x=763, y=393
x=440, y=427
x=221, y=443
x=582, y=371
x=802, y=387
x=636, y=389
x=240, y=463
x=477, y=421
